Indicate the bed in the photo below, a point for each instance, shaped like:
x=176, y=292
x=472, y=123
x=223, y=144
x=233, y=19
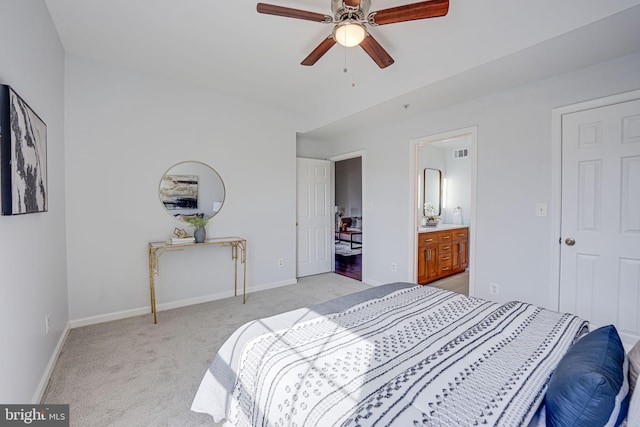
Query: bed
x=406, y=355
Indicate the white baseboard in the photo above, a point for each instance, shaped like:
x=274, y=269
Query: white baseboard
x=101, y=318
x=108, y=317
x=44, y=381
x=371, y=282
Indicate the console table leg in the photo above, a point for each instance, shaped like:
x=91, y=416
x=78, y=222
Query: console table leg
x=244, y=276
x=152, y=287
x=235, y=271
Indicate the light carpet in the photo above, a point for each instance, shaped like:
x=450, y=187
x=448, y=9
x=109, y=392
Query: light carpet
x=131, y=372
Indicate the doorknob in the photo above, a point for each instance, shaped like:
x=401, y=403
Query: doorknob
x=570, y=241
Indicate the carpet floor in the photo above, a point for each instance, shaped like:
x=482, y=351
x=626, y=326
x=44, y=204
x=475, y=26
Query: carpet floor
x=131, y=372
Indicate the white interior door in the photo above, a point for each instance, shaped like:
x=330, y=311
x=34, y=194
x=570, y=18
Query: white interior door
x=600, y=252
x=314, y=216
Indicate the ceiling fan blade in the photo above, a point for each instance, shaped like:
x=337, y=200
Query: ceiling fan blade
x=288, y=12
x=410, y=12
x=319, y=51
x=376, y=52
x=352, y=3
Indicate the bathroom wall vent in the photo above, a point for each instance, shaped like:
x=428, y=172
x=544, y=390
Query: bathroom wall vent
x=460, y=153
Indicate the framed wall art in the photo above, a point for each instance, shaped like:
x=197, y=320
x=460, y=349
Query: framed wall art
x=179, y=191
x=23, y=156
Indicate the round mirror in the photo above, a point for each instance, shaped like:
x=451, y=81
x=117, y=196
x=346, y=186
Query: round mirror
x=189, y=189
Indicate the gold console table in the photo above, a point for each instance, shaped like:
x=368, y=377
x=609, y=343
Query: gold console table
x=238, y=251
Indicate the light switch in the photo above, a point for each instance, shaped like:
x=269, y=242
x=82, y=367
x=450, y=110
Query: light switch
x=541, y=209
x=369, y=207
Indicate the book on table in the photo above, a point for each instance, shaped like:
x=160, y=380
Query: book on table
x=182, y=240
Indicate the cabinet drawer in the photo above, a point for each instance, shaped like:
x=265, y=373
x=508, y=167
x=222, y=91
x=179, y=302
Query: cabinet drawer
x=445, y=248
x=445, y=237
x=444, y=260
x=460, y=234
x=444, y=269
x=427, y=239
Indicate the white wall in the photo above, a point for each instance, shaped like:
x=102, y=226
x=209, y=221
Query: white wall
x=514, y=157
x=348, y=181
x=124, y=130
x=33, y=281
x=458, y=186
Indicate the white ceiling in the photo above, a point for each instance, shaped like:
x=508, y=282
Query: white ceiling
x=228, y=46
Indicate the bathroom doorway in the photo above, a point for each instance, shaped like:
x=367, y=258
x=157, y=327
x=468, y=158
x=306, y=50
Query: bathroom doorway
x=452, y=156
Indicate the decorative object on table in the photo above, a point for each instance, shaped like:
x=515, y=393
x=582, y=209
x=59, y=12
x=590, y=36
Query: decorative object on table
x=182, y=240
x=180, y=232
x=199, y=222
x=181, y=237
x=179, y=191
x=431, y=221
x=23, y=156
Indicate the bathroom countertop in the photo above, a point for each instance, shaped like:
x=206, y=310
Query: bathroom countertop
x=441, y=227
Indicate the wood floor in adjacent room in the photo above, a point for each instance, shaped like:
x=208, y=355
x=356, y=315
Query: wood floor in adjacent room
x=350, y=266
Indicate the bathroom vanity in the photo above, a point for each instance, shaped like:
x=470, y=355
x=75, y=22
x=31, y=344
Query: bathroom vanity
x=442, y=251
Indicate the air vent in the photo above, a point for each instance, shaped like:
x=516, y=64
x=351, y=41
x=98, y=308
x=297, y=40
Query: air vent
x=460, y=153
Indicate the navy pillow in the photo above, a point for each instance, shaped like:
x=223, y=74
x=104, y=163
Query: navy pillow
x=589, y=386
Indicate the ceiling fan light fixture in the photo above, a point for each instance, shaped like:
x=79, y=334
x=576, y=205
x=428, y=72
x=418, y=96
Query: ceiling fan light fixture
x=349, y=33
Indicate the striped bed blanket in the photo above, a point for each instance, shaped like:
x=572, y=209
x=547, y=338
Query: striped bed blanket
x=418, y=356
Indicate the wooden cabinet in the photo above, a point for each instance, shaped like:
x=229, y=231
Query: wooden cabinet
x=460, y=249
x=427, y=257
x=442, y=253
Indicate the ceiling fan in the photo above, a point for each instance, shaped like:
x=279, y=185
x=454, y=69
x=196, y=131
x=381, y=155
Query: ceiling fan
x=350, y=18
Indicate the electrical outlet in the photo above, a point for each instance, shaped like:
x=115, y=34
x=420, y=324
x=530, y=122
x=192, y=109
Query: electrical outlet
x=394, y=266
x=47, y=324
x=280, y=262
x=494, y=288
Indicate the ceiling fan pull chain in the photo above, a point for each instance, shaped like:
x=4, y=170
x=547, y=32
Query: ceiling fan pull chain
x=353, y=81
x=345, y=59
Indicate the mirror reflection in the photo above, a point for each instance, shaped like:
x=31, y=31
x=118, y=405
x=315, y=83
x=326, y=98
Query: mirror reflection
x=432, y=184
x=189, y=189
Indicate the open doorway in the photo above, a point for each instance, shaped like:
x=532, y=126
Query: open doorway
x=348, y=215
x=444, y=207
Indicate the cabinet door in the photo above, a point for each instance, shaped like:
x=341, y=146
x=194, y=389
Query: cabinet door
x=459, y=256
x=422, y=265
x=463, y=252
x=431, y=257
x=427, y=263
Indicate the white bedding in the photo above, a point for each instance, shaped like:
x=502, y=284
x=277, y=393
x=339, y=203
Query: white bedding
x=416, y=356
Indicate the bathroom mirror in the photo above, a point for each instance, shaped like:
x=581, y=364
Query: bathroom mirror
x=191, y=188
x=432, y=184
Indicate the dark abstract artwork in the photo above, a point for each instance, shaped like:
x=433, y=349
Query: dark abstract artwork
x=23, y=156
x=179, y=191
